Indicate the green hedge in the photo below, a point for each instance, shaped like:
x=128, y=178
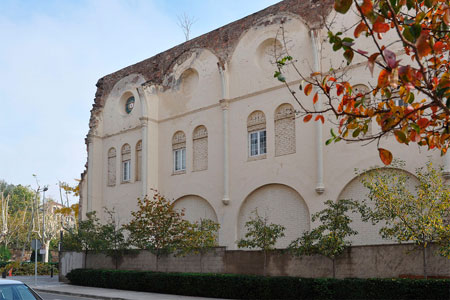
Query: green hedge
x=233, y=286
x=27, y=268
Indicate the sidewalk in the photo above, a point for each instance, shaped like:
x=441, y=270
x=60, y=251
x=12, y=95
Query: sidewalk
x=51, y=285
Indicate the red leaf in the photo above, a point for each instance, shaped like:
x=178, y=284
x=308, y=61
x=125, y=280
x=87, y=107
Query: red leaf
x=371, y=62
x=380, y=27
x=423, y=122
x=438, y=47
x=320, y=117
x=316, y=97
x=385, y=156
x=307, y=118
x=339, y=89
x=308, y=89
x=391, y=58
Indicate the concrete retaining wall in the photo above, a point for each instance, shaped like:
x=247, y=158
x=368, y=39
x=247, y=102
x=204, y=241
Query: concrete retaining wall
x=356, y=262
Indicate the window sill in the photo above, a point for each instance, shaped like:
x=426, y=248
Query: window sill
x=124, y=182
x=179, y=172
x=284, y=154
x=257, y=157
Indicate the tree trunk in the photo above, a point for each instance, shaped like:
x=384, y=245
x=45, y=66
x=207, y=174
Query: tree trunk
x=334, y=267
x=424, y=252
x=47, y=245
x=201, y=261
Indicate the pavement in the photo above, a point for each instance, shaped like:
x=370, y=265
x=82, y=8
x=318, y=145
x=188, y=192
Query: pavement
x=48, y=284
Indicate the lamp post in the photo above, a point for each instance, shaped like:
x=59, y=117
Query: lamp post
x=43, y=221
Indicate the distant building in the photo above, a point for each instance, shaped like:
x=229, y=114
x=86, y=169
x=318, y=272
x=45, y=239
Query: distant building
x=206, y=124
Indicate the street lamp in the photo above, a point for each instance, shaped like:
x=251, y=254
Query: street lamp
x=43, y=220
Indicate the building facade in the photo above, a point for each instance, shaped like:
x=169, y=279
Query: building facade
x=206, y=124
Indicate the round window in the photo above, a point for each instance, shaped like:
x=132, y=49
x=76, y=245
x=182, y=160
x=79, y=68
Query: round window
x=129, y=105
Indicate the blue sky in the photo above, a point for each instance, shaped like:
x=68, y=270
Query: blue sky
x=52, y=54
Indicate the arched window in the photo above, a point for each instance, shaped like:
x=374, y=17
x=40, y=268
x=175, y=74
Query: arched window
x=256, y=127
x=112, y=167
x=200, y=148
x=126, y=163
x=138, y=166
x=179, y=152
x=284, y=130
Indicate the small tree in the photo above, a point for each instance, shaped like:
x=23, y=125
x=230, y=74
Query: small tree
x=185, y=22
x=157, y=226
x=261, y=234
x=329, y=238
x=420, y=216
x=200, y=238
x=112, y=233
x=87, y=236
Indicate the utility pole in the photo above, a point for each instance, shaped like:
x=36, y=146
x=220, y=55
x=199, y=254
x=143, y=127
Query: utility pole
x=43, y=221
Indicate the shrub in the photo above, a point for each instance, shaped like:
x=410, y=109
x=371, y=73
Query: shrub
x=5, y=254
x=232, y=286
x=26, y=268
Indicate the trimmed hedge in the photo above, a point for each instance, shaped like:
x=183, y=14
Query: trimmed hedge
x=234, y=286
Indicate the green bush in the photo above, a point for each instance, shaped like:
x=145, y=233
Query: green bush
x=26, y=268
x=5, y=254
x=233, y=286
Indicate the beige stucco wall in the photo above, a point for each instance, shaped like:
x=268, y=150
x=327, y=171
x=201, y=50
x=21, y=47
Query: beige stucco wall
x=281, y=187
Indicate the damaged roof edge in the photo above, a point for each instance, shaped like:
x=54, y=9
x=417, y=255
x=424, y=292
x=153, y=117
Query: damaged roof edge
x=220, y=41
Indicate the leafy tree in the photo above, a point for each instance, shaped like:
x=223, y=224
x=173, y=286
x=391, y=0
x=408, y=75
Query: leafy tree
x=87, y=236
x=200, y=237
x=112, y=233
x=261, y=235
x=421, y=216
x=330, y=237
x=157, y=226
x=406, y=45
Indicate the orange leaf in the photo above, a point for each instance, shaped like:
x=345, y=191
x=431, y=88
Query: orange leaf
x=380, y=27
x=308, y=89
x=316, y=97
x=359, y=29
x=385, y=155
x=307, y=118
x=422, y=44
x=320, y=117
x=446, y=18
x=383, y=78
x=367, y=7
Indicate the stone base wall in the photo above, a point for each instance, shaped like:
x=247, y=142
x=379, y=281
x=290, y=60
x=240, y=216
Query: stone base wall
x=357, y=262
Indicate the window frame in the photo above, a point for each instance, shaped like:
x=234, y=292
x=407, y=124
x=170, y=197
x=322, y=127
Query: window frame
x=179, y=167
x=258, y=143
x=126, y=166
